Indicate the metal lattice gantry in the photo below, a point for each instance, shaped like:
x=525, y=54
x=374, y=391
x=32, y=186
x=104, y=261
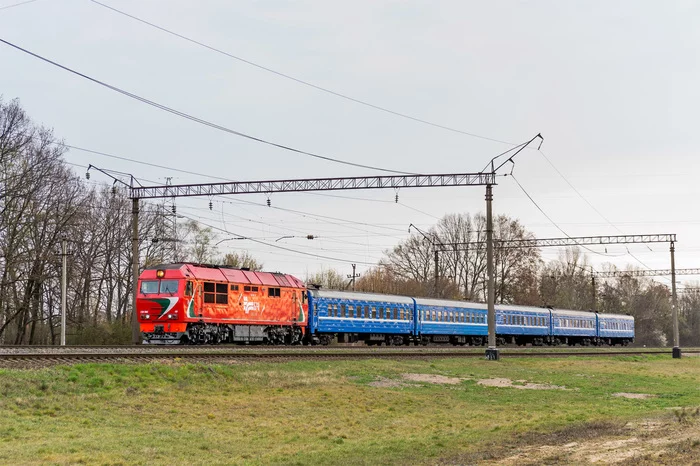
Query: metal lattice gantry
x=586, y=241
x=566, y=241
x=646, y=273
x=314, y=184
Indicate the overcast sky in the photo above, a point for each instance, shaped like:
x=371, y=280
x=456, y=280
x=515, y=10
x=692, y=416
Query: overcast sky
x=612, y=87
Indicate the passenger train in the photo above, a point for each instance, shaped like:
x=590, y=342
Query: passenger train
x=188, y=303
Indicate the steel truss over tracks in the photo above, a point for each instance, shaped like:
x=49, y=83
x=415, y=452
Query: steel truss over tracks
x=314, y=184
x=646, y=273
x=568, y=241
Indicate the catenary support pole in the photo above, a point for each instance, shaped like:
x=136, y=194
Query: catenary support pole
x=674, y=304
x=593, y=291
x=134, y=268
x=64, y=289
x=437, y=270
x=354, y=276
x=491, y=351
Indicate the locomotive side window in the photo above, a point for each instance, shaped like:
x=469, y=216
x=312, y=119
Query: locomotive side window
x=234, y=287
x=221, y=293
x=274, y=292
x=209, y=292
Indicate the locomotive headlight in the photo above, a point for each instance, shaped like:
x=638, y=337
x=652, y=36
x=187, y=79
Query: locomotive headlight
x=160, y=273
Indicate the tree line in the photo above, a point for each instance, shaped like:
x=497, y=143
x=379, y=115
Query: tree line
x=44, y=201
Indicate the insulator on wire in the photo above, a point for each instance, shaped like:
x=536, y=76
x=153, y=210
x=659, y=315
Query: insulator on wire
x=211, y=206
x=173, y=208
x=268, y=202
x=114, y=190
x=87, y=175
x=396, y=199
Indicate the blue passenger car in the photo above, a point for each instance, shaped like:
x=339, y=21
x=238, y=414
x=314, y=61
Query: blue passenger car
x=372, y=318
x=523, y=324
x=401, y=320
x=573, y=327
x=615, y=329
x=447, y=321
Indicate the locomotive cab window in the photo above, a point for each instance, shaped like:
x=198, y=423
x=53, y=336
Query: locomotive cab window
x=189, y=288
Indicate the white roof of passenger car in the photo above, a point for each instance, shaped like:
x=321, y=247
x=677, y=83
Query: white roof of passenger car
x=571, y=313
x=604, y=315
x=449, y=303
x=514, y=307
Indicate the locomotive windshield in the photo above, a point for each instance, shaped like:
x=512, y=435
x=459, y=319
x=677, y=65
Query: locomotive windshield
x=159, y=286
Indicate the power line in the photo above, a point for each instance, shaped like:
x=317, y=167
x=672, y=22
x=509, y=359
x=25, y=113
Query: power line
x=189, y=172
x=282, y=247
x=550, y=218
x=591, y=206
x=300, y=81
x=16, y=4
x=197, y=119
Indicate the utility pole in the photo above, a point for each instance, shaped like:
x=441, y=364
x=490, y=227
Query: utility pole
x=64, y=289
x=437, y=271
x=353, y=276
x=674, y=304
x=135, y=337
x=491, y=351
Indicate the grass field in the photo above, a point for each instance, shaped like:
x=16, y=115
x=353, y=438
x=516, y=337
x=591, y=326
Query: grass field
x=338, y=412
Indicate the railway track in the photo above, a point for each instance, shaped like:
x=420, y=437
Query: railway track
x=33, y=360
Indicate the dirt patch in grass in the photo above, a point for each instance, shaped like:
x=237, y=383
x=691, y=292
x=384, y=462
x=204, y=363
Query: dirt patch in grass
x=432, y=378
x=519, y=384
x=655, y=441
x=383, y=382
x=633, y=396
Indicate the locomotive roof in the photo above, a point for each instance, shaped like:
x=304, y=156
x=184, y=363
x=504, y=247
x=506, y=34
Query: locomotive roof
x=360, y=296
x=232, y=274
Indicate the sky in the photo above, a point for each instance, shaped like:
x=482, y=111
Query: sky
x=611, y=86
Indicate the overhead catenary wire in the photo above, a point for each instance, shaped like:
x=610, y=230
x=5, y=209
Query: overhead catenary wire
x=319, y=256
x=204, y=175
x=298, y=80
x=6, y=7
x=195, y=119
x=592, y=207
x=552, y=221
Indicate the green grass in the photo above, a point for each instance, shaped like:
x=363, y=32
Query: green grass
x=316, y=412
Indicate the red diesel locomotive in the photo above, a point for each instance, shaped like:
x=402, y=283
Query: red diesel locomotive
x=200, y=304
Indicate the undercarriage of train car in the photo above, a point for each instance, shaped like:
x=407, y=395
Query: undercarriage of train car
x=200, y=333
x=379, y=339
